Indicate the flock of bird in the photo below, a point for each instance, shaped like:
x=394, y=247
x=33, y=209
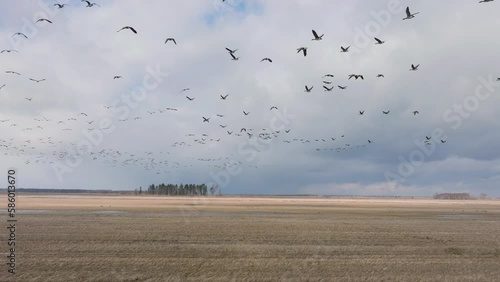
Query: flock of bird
x=36, y=148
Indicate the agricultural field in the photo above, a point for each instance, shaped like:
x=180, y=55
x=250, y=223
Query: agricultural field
x=134, y=238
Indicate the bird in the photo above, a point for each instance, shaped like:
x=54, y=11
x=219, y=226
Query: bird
x=380, y=75
x=234, y=57
x=342, y=87
x=8, y=51
x=266, y=59
x=223, y=126
x=415, y=113
x=44, y=20
x=37, y=80
x=485, y=1
x=303, y=49
x=361, y=113
x=443, y=141
x=231, y=51
x=327, y=82
x=409, y=15
x=2, y=86
x=29, y=99
x=91, y=4
x=328, y=75
x=344, y=50
x=229, y=132
x=246, y=113
x=328, y=89
x=428, y=137
x=129, y=28
x=206, y=119
x=224, y=97
x=243, y=129
x=386, y=113
x=60, y=6
x=117, y=77
x=369, y=141
x=13, y=72
x=316, y=37
x=414, y=68
x=379, y=42
x=309, y=89
x=21, y=34
x=189, y=98
x=185, y=89
x=170, y=39
x=273, y=107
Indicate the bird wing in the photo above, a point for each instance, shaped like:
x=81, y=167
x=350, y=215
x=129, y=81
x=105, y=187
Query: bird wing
x=232, y=55
x=133, y=30
x=408, y=14
x=315, y=34
x=378, y=40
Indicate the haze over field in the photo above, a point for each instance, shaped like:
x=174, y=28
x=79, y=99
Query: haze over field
x=82, y=128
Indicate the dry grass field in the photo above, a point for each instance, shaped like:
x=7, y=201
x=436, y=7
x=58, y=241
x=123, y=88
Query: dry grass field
x=130, y=238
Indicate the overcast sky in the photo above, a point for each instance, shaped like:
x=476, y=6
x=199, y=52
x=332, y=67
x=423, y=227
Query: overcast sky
x=84, y=129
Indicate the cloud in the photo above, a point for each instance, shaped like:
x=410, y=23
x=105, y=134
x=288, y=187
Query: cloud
x=81, y=53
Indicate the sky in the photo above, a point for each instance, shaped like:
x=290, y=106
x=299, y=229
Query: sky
x=82, y=128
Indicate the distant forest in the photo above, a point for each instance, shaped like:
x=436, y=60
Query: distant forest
x=175, y=189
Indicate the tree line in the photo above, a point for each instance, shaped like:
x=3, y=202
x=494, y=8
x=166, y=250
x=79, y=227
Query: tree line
x=182, y=189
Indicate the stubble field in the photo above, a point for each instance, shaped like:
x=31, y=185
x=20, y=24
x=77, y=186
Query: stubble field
x=134, y=238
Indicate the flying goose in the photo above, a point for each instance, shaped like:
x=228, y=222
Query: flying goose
x=91, y=4
x=206, y=119
x=189, y=98
x=266, y=59
x=379, y=42
x=129, y=28
x=170, y=39
x=414, y=68
x=37, y=81
x=344, y=50
x=303, y=49
x=308, y=90
x=21, y=34
x=328, y=89
x=386, y=113
x=316, y=37
x=224, y=97
x=43, y=20
x=409, y=15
